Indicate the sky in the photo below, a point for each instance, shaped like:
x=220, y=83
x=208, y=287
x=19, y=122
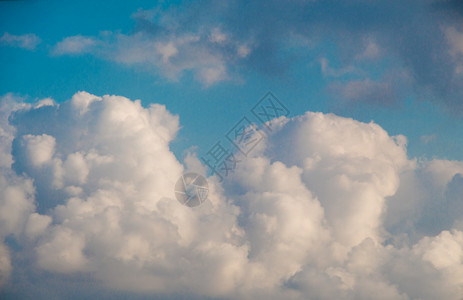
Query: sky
x=347, y=183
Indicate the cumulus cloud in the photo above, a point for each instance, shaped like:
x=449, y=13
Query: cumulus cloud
x=325, y=208
x=104, y=178
x=338, y=161
x=25, y=41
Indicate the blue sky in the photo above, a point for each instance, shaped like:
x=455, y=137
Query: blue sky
x=356, y=192
x=292, y=70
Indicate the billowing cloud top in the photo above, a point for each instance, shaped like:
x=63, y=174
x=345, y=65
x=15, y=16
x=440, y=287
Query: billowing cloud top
x=326, y=208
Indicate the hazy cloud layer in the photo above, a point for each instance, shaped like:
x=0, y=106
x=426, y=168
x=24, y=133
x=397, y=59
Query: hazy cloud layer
x=325, y=208
x=382, y=52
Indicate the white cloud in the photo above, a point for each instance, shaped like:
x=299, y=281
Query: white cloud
x=39, y=148
x=343, y=157
x=442, y=171
x=325, y=208
x=427, y=202
x=166, y=50
x=8, y=103
x=108, y=161
x=25, y=41
x=63, y=251
x=74, y=45
x=212, y=75
x=175, y=55
x=207, y=53
x=16, y=203
x=36, y=225
x=5, y=264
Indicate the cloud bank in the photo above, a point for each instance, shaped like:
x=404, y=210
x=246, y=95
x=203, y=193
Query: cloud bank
x=388, y=50
x=325, y=208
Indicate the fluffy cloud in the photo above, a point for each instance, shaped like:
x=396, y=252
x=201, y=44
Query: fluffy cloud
x=325, y=208
x=103, y=176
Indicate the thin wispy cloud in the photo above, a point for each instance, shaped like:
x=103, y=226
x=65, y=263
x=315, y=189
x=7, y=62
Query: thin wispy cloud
x=217, y=47
x=74, y=45
x=25, y=41
x=206, y=54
